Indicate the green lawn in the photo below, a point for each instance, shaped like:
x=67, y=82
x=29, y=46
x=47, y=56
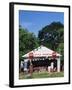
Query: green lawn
x=41, y=75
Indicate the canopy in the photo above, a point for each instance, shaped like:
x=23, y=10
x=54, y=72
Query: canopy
x=41, y=51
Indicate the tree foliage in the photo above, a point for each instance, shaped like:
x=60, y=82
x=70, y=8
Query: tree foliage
x=27, y=42
x=52, y=35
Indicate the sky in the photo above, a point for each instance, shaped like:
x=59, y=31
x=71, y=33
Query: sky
x=34, y=21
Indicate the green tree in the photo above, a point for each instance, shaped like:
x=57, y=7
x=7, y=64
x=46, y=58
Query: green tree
x=51, y=35
x=27, y=42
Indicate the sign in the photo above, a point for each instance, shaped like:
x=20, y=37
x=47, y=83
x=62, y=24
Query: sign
x=54, y=55
x=30, y=55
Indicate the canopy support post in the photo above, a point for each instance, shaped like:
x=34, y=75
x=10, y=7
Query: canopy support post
x=58, y=64
x=52, y=66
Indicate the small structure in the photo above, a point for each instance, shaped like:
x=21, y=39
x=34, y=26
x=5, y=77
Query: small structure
x=43, y=57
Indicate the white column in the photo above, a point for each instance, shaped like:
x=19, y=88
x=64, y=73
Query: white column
x=58, y=65
x=49, y=69
x=52, y=65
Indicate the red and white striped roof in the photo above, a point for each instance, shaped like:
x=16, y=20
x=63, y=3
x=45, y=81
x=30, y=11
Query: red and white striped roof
x=41, y=51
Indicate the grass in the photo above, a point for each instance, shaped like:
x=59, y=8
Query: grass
x=41, y=75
